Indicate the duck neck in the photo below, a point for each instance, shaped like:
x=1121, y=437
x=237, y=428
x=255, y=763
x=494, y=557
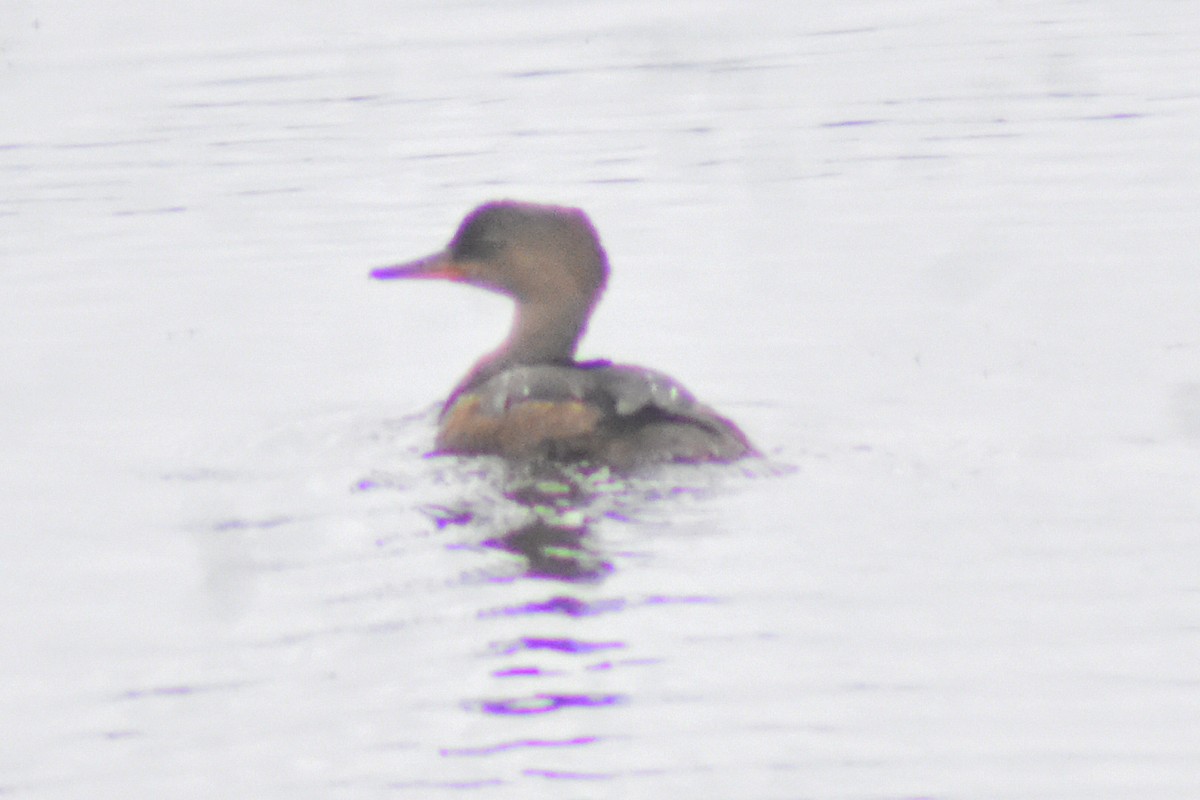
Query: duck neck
x=542, y=333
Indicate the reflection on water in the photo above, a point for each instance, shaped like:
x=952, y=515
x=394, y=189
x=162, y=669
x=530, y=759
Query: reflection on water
x=491, y=624
x=553, y=545
x=555, y=542
x=538, y=521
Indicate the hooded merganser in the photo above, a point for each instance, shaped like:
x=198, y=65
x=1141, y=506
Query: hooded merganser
x=530, y=398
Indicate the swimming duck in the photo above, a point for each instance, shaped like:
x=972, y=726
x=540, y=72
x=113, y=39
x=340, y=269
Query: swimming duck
x=530, y=398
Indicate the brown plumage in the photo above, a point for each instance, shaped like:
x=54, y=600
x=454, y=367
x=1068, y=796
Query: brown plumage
x=530, y=398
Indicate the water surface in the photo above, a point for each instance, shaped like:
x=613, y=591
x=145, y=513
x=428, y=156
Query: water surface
x=938, y=261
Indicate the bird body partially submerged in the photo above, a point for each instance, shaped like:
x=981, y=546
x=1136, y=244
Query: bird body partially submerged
x=611, y=414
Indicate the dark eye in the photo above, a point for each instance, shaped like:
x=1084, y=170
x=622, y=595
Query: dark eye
x=474, y=246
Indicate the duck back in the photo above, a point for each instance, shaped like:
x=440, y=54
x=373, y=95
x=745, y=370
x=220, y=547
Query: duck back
x=614, y=414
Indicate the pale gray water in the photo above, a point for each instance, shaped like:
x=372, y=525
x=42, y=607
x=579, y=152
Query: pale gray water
x=938, y=259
